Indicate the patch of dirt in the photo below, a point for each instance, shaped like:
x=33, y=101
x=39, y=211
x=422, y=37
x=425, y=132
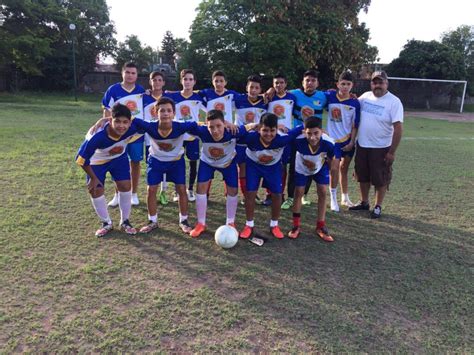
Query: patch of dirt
x=438, y=115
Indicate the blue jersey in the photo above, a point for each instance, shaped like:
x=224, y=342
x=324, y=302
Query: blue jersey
x=224, y=102
x=308, y=161
x=308, y=105
x=282, y=107
x=342, y=116
x=270, y=154
x=166, y=147
x=100, y=148
x=132, y=99
x=247, y=111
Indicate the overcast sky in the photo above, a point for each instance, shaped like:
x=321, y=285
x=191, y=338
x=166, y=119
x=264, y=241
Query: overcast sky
x=391, y=22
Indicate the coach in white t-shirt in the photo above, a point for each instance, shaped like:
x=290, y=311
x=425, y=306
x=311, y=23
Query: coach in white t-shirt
x=380, y=132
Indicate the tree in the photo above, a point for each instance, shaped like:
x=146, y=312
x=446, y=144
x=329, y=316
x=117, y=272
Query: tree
x=36, y=39
x=132, y=50
x=269, y=36
x=168, y=48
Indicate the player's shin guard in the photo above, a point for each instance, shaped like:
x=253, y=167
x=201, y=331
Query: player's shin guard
x=201, y=208
x=100, y=207
x=125, y=205
x=231, y=208
x=192, y=173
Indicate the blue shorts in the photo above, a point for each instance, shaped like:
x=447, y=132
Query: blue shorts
x=135, y=151
x=286, y=157
x=206, y=173
x=321, y=177
x=175, y=171
x=192, y=149
x=271, y=175
x=119, y=168
x=241, y=156
x=339, y=153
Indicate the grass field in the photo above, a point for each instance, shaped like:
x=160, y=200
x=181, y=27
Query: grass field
x=400, y=284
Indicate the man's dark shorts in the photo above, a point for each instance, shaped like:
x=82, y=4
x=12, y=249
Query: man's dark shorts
x=370, y=166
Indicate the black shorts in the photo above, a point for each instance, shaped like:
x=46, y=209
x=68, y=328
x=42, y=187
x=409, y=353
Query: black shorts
x=370, y=166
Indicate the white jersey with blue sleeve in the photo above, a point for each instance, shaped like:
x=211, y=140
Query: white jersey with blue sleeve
x=247, y=111
x=282, y=107
x=223, y=102
x=342, y=116
x=187, y=108
x=308, y=161
x=132, y=99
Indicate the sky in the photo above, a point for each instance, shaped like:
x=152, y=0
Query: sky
x=391, y=22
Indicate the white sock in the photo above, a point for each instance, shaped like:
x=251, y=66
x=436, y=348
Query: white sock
x=154, y=218
x=201, y=208
x=231, y=208
x=182, y=217
x=273, y=223
x=345, y=197
x=100, y=207
x=164, y=184
x=333, y=192
x=125, y=205
x=250, y=223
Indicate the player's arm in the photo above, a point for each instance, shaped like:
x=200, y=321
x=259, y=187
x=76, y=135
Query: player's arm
x=99, y=124
x=396, y=138
x=355, y=129
x=94, y=183
x=85, y=152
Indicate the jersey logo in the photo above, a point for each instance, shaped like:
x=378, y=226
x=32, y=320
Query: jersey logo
x=216, y=153
x=336, y=114
x=249, y=117
x=265, y=159
x=185, y=112
x=116, y=150
x=166, y=147
x=132, y=106
x=220, y=106
x=153, y=112
x=311, y=165
x=306, y=112
x=279, y=111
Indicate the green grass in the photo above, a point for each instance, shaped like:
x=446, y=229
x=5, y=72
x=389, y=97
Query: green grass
x=400, y=284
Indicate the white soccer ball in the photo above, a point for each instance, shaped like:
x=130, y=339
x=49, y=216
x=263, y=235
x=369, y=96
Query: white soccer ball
x=226, y=237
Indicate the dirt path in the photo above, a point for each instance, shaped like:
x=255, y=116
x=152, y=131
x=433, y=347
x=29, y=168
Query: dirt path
x=449, y=116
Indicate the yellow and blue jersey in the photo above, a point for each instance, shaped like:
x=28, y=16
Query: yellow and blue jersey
x=282, y=107
x=247, y=111
x=308, y=161
x=132, y=99
x=342, y=116
x=224, y=102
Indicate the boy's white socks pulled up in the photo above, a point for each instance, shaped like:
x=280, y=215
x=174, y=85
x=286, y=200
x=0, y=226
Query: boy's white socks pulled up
x=125, y=205
x=231, y=208
x=100, y=207
x=201, y=208
x=334, y=204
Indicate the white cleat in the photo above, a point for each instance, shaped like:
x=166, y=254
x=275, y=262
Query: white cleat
x=114, y=202
x=334, y=206
x=191, y=196
x=175, y=197
x=347, y=203
x=135, y=201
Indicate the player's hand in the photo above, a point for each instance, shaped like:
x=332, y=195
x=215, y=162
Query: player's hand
x=93, y=185
x=148, y=92
x=99, y=124
x=353, y=96
x=389, y=158
x=348, y=147
x=268, y=95
x=283, y=128
x=232, y=128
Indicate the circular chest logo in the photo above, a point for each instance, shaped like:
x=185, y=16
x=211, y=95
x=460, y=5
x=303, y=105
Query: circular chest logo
x=166, y=147
x=265, y=159
x=116, y=150
x=153, y=112
x=306, y=112
x=216, y=152
x=336, y=114
x=250, y=117
x=279, y=110
x=185, y=112
x=132, y=106
x=219, y=106
x=309, y=164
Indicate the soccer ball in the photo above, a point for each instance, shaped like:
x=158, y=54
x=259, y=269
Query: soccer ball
x=226, y=237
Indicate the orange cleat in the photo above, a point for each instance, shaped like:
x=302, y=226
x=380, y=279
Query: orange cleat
x=246, y=232
x=323, y=233
x=198, y=230
x=232, y=225
x=294, y=233
x=276, y=232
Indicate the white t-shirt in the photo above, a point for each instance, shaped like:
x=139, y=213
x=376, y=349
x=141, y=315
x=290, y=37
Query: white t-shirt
x=377, y=116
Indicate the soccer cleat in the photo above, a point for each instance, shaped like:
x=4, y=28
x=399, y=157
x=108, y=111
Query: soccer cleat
x=185, y=227
x=323, y=233
x=175, y=197
x=276, y=232
x=334, y=206
x=198, y=230
x=360, y=206
x=114, y=202
x=191, y=196
x=106, y=228
x=376, y=212
x=232, y=224
x=294, y=232
x=287, y=204
x=246, y=233
x=305, y=201
x=267, y=201
x=149, y=227
x=135, y=201
x=163, y=198
x=347, y=202
x=126, y=227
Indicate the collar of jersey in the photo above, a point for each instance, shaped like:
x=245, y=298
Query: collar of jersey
x=342, y=100
x=158, y=129
x=129, y=91
x=186, y=97
x=256, y=102
x=315, y=150
x=264, y=144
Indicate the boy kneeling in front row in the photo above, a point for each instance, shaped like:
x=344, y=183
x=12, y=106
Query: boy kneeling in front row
x=314, y=154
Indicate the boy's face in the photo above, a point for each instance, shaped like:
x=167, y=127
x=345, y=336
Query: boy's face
x=157, y=83
x=279, y=84
x=344, y=86
x=165, y=113
x=310, y=83
x=219, y=83
x=267, y=133
x=188, y=81
x=253, y=89
x=120, y=125
x=130, y=75
x=216, y=128
x=313, y=135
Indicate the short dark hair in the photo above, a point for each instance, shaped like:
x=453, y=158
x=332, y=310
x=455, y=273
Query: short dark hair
x=157, y=73
x=218, y=73
x=119, y=110
x=183, y=73
x=165, y=100
x=215, y=115
x=269, y=120
x=129, y=65
x=254, y=79
x=311, y=72
x=280, y=76
x=346, y=75
x=313, y=122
